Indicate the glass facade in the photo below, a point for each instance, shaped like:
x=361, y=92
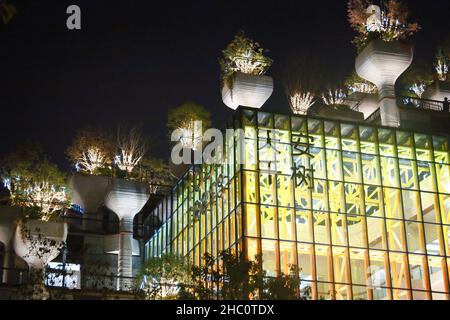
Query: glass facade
x=364, y=211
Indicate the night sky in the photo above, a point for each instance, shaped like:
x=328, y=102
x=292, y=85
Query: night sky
x=134, y=60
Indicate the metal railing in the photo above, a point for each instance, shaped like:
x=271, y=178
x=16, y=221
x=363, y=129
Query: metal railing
x=67, y=279
x=423, y=104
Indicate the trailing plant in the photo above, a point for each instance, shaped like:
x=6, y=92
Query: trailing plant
x=243, y=55
x=190, y=120
x=34, y=183
x=389, y=23
x=92, y=151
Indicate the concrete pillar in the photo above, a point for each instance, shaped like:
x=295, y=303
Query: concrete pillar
x=382, y=63
x=126, y=198
x=125, y=257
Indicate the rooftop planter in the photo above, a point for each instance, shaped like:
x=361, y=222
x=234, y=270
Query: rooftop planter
x=383, y=54
x=382, y=63
x=243, y=65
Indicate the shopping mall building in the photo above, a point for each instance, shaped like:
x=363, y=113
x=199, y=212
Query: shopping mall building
x=363, y=210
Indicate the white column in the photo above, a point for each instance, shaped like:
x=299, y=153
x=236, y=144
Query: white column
x=389, y=111
x=125, y=264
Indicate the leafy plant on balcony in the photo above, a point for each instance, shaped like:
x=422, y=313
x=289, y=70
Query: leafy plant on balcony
x=388, y=23
x=34, y=183
x=243, y=55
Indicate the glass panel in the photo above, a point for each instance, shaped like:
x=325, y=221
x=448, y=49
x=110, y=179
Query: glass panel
x=357, y=258
x=268, y=222
x=286, y=225
x=304, y=226
x=287, y=256
x=269, y=257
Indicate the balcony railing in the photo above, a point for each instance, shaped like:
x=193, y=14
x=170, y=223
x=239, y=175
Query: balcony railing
x=424, y=104
x=66, y=279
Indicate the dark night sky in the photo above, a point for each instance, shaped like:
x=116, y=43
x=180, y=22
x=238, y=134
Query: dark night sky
x=133, y=60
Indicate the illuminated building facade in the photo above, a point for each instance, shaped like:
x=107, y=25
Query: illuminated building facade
x=364, y=211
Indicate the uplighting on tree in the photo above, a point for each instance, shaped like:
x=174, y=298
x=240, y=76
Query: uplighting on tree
x=334, y=97
x=441, y=67
x=243, y=55
x=418, y=89
x=301, y=102
x=91, y=150
x=191, y=135
x=91, y=160
x=132, y=148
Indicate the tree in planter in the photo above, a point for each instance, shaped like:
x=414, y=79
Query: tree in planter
x=335, y=98
x=189, y=120
x=131, y=146
x=416, y=80
x=92, y=150
x=7, y=11
x=355, y=83
x=442, y=63
x=156, y=173
x=34, y=182
x=302, y=82
x=243, y=55
x=161, y=277
x=389, y=23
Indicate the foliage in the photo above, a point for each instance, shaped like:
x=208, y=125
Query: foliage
x=92, y=150
x=131, y=148
x=156, y=173
x=7, y=11
x=416, y=79
x=237, y=277
x=334, y=97
x=233, y=277
x=191, y=120
x=283, y=287
x=354, y=83
x=243, y=55
x=442, y=63
x=389, y=23
x=159, y=277
x=34, y=182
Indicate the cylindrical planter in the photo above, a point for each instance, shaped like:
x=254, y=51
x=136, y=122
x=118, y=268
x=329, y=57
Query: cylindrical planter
x=247, y=90
x=382, y=63
x=126, y=199
x=38, y=242
x=89, y=191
